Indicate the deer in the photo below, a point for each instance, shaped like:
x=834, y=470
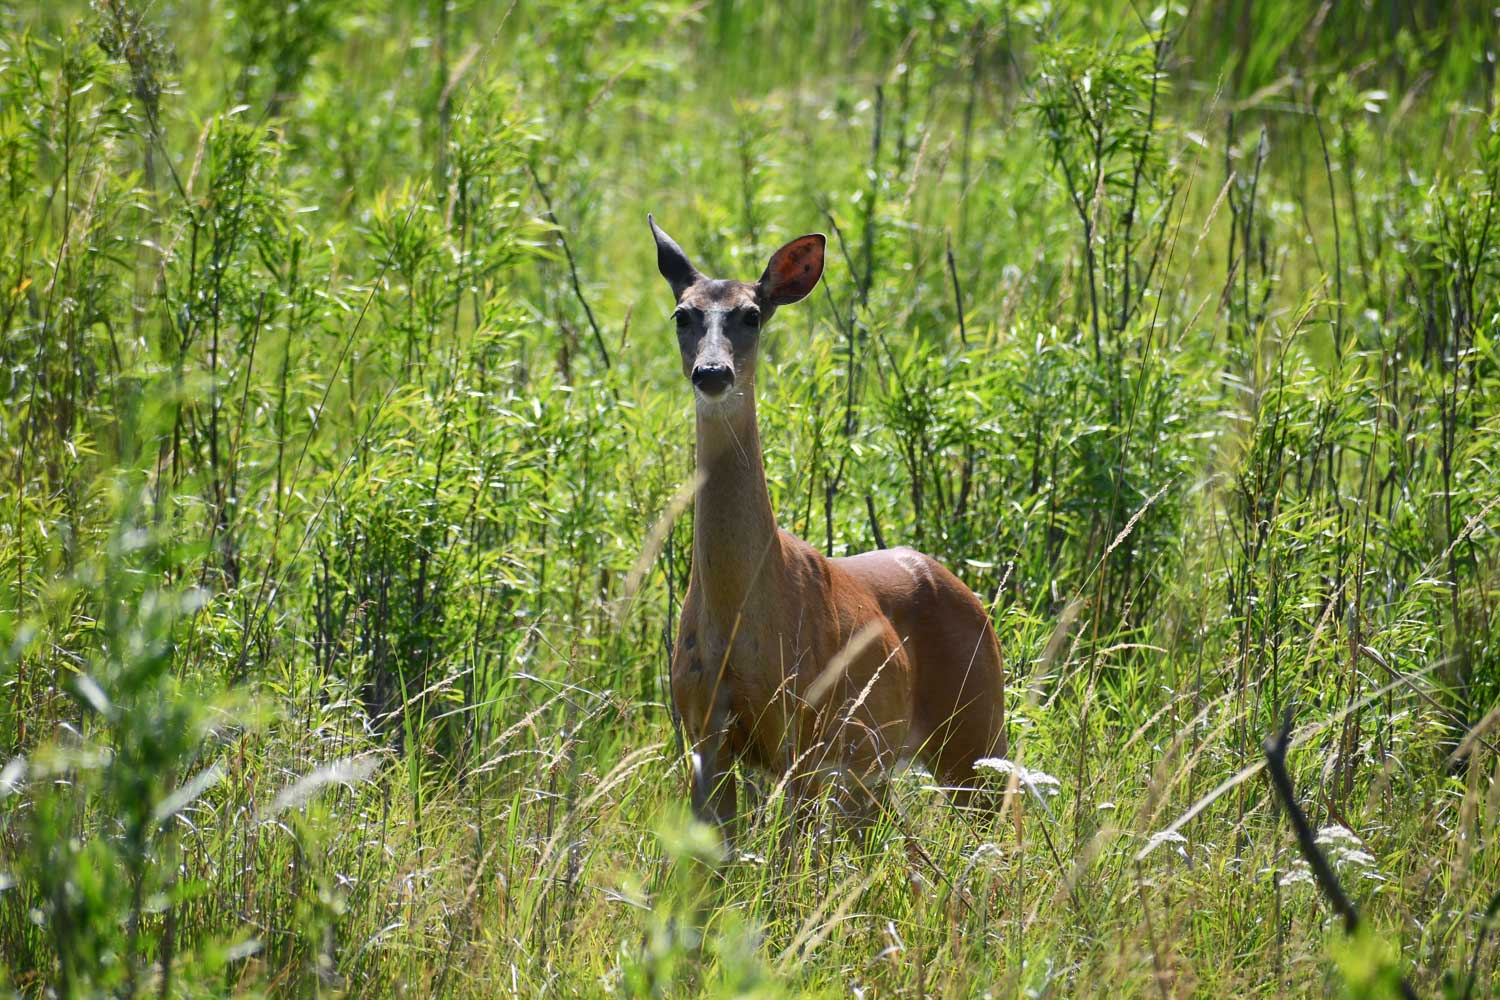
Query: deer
x=829, y=672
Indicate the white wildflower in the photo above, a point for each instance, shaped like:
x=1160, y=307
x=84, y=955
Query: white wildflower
x=1345, y=849
x=1297, y=876
x=1336, y=833
x=1345, y=852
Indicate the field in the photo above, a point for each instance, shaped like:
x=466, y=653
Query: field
x=343, y=530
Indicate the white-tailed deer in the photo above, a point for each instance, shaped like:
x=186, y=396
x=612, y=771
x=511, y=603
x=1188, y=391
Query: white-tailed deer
x=828, y=671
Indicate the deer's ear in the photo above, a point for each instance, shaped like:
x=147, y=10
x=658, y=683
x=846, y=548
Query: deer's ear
x=794, y=270
x=671, y=261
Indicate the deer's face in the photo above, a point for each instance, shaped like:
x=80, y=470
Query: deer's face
x=718, y=333
x=719, y=321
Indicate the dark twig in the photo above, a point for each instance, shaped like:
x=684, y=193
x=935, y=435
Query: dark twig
x=1328, y=881
x=1276, y=747
x=1484, y=931
x=1338, y=257
x=869, y=229
x=541, y=189
x=1158, y=61
x=958, y=294
x=874, y=521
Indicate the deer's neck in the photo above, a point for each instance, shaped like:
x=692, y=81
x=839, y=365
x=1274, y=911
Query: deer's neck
x=736, y=550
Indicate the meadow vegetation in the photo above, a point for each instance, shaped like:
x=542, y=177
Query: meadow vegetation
x=338, y=403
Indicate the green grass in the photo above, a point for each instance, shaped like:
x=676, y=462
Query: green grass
x=338, y=401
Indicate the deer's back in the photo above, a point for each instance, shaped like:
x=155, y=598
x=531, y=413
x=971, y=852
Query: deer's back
x=957, y=673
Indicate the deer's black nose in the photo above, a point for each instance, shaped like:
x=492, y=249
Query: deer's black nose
x=713, y=380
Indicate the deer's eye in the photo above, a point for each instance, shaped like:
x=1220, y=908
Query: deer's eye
x=752, y=318
x=681, y=318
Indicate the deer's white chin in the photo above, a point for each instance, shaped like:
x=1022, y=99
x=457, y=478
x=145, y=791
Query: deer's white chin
x=724, y=403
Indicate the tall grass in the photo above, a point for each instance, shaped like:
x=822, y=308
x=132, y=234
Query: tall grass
x=336, y=410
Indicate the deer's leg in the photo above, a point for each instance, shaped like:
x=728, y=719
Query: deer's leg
x=972, y=734
x=801, y=784
x=860, y=800
x=714, y=786
x=714, y=792
x=858, y=735
x=962, y=716
x=864, y=787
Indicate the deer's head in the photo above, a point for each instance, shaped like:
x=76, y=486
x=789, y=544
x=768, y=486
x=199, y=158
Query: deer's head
x=719, y=320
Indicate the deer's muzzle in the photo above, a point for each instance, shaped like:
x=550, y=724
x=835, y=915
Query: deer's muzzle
x=713, y=380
